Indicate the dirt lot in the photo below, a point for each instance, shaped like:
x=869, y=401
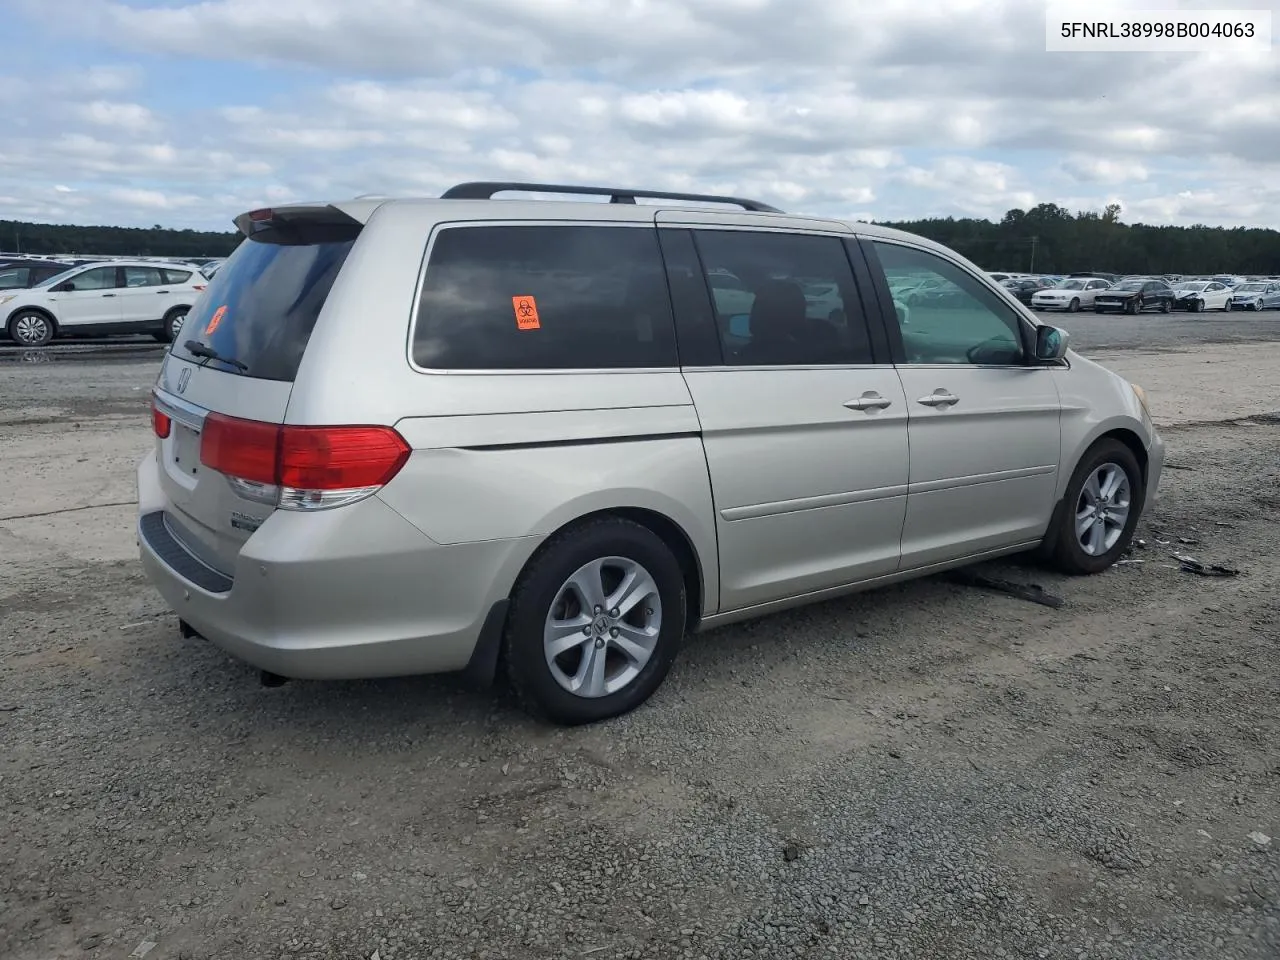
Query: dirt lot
x=929, y=771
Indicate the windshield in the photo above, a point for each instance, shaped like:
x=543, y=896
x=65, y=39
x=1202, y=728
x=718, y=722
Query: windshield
x=1128, y=285
x=1071, y=285
x=1252, y=287
x=1193, y=286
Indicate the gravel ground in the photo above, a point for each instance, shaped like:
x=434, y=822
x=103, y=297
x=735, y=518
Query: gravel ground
x=927, y=771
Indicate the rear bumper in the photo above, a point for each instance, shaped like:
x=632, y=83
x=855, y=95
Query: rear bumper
x=339, y=594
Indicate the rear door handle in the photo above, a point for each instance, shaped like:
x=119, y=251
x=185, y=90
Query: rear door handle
x=868, y=401
x=939, y=398
x=162, y=291
x=108, y=294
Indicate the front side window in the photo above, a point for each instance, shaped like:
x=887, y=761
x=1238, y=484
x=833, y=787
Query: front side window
x=964, y=323
x=792, y=300
x=100, y=278
x=543, y=298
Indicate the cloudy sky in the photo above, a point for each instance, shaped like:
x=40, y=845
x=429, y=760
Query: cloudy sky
x=185, y=113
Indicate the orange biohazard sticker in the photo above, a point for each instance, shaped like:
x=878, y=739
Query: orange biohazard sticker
x=526, y=313
x=215, y=320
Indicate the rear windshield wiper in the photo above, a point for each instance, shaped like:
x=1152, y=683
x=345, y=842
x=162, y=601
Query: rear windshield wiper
x=198, y=349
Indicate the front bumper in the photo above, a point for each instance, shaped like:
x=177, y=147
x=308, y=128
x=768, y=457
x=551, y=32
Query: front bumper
x=348, y=593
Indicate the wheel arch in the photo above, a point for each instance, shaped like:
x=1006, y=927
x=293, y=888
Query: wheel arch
x=44, y=311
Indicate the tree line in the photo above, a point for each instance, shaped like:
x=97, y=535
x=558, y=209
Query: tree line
x=1050, y=239
x=157, y=241
x=1047, y=239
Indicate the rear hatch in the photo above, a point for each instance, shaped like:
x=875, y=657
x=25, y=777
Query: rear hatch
x=223, y=391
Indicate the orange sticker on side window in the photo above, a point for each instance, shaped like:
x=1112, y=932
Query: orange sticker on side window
x=215, y=320
x=526, y=313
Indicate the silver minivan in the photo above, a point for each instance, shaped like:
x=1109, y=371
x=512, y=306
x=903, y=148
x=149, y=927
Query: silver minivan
x=551, y=438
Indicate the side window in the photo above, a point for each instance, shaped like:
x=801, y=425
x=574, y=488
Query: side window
x=142, y=277
x=544, y=298
x=949, y=316
x=783, y=299
x=14, y=277
x=101, y=278
x=176, y=276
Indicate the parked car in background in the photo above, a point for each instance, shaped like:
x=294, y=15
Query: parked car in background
x=97, y=299
x=1025, y=289
x=1135, y=296
x=20, y=274
x=541, y=448
x=1228, y=279
x=1200, y=295
x=1095, y=274
x=1072, y=294
x=1255, y=295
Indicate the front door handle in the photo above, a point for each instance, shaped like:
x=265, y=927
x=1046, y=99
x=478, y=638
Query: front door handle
x=162, y=291
x=939, y=398
x=108, y=294
x=868, y=401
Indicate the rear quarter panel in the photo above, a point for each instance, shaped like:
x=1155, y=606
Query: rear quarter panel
x=499, y=455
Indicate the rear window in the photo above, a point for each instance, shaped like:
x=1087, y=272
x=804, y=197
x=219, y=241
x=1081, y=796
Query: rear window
x=544, y=297
x=261, y=307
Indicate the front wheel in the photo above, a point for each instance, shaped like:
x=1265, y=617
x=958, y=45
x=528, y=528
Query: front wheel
x=595, y=622
x=1100, y=509
x=1166, y=306
x=1074, y=305
x=31, y=328
x=1133, y=306
x=1197, y=306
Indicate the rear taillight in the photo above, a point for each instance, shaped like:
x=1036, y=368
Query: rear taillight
x=160, y=421
x=199, y=286
x=302, y=468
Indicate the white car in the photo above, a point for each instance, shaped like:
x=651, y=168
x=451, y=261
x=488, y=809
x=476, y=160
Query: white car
x=1070, y=295
x=95, y=299
x=1200, y=295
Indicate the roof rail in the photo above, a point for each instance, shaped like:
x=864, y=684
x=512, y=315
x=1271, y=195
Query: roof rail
x=485, y=189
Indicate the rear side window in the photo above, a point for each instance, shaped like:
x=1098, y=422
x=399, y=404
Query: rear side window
x=176, y=276
x=783, y=299
x=142, y=277
x=544, y=297
x=261, y=307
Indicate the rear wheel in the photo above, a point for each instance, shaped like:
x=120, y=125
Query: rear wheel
x=1101, y=509
x=31, y=328
x=173, y=321
x=595, y=622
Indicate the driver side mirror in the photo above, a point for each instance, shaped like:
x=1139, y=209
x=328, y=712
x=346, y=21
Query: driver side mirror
x=1051, y=343
x=65, y=287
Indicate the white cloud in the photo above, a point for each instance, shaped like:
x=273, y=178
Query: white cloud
x=899, y=109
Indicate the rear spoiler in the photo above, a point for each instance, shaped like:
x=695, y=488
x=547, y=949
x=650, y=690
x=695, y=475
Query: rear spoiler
x=346, y=213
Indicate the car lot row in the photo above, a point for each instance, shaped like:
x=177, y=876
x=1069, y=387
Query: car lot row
x=1139, y=294
x=42, y=299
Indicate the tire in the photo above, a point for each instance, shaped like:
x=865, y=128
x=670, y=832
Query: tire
x=31, y=328
x=1134, y=306
x=1074, y=305
x=1166, y=306
x=1069, y=552
x=173, y=321
x=1197, y=306
x=597, y=552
